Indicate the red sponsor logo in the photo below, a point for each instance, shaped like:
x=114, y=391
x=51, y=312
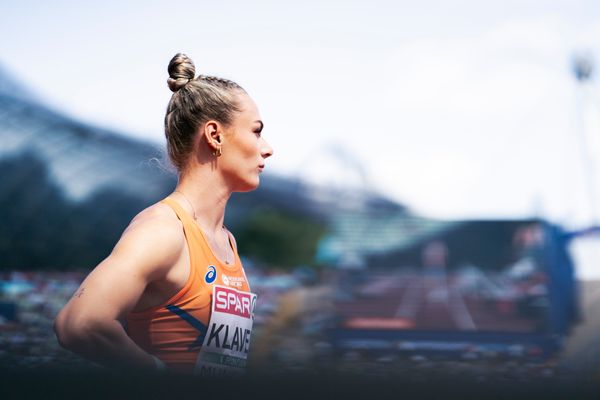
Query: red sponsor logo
x=233, y=302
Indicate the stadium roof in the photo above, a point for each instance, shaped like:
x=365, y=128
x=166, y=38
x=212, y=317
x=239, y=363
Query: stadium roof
x=81, y=158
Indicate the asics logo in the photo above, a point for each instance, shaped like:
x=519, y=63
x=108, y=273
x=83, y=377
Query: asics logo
x=211, y=274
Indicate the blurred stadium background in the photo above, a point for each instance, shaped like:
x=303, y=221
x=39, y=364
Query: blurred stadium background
x=362, y=286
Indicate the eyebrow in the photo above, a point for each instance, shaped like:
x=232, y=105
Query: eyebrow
x=261, y=124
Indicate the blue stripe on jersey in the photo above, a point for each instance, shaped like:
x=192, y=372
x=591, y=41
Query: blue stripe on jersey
x=187, y=317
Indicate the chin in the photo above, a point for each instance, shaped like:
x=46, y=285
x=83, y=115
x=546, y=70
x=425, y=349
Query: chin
x=249, y=186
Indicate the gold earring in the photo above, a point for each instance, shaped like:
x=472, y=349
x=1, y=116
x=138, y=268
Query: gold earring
x=217, y=152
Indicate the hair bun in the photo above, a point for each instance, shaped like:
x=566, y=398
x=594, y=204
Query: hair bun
x=181, y=71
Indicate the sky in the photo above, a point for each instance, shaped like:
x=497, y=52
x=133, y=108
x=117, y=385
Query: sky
x=461, y=109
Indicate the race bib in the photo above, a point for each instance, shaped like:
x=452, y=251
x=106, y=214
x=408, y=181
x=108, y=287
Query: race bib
x=227, y=341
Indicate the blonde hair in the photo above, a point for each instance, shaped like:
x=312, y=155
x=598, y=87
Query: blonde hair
x=194, y=101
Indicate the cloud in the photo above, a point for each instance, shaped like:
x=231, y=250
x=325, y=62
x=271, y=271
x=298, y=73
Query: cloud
x=501, y=101
x=473, y=104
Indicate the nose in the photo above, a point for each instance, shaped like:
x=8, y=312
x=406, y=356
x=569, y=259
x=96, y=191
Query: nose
x=266, y=150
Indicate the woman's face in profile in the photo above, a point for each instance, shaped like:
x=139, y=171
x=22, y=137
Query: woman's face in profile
x=244, y=150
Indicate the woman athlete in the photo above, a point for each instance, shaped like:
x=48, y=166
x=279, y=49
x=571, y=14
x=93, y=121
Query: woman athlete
x=173, y=293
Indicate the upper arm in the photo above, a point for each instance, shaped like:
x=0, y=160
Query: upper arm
x=148, y=248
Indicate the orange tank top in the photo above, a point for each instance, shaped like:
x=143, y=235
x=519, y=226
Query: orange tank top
x=174, y=330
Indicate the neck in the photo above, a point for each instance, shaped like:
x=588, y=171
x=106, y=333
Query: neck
x=207, y=194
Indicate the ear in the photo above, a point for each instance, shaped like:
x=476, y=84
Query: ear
x=213, y=134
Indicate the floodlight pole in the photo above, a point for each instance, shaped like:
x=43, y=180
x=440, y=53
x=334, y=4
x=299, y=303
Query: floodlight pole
x=583, y=70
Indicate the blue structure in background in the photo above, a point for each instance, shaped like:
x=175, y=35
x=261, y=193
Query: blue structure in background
x=560, y=314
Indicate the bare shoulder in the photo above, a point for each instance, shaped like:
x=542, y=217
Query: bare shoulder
x=156, y=232
x=157, y=216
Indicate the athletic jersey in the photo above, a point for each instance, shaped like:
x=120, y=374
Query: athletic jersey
x=174, y=331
